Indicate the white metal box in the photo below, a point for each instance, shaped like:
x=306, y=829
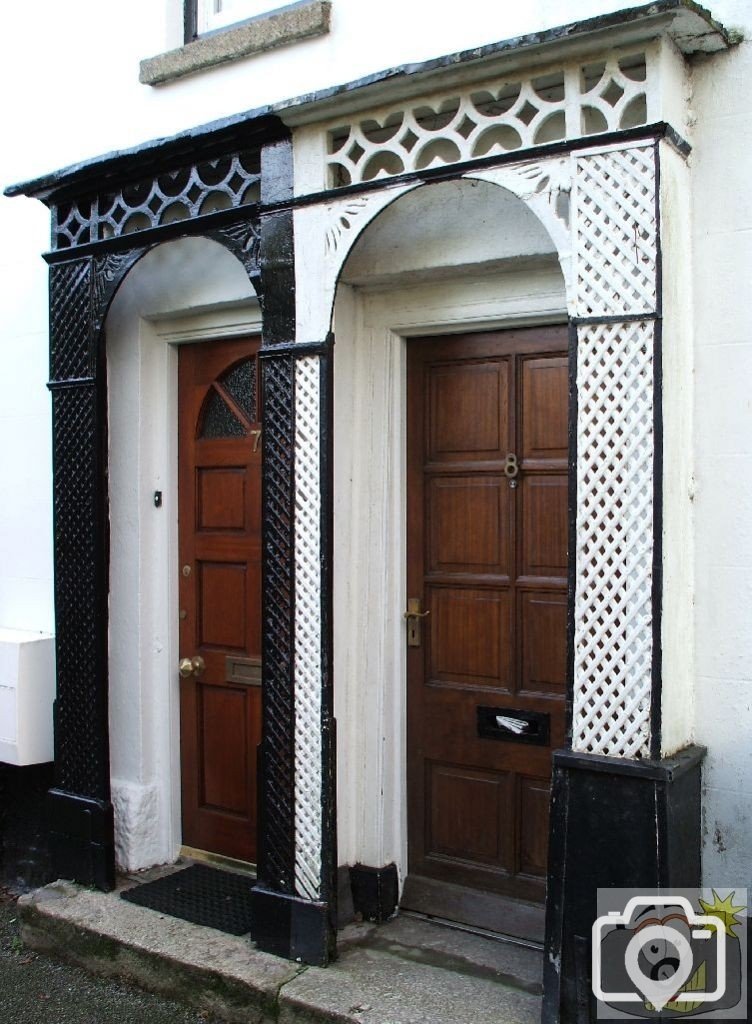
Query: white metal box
x=27, y=692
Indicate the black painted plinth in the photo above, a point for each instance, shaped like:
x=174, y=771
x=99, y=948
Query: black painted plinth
x=614, y=823
x=291, y=927
x=375, y=891
x=82, y=843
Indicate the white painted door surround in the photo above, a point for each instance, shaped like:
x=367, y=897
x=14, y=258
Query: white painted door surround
x=181, y=292
x=600, y=208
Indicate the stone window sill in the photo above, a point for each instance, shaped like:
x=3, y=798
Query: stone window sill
x=280, y=27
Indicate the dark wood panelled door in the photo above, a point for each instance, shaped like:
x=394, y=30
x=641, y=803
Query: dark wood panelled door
x=220, y=594
x=487, y=562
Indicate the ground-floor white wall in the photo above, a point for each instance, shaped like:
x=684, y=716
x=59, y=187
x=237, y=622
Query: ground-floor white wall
x=721, y=167
x=26, y=598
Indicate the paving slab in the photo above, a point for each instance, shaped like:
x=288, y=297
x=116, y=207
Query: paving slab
x=463, y=951
x=407, y=971
x=371, y=986
x=222, y=974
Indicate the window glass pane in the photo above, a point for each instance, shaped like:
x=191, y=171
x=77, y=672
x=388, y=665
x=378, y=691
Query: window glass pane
x=218, y=13
x=241, y=383
x=219, y=420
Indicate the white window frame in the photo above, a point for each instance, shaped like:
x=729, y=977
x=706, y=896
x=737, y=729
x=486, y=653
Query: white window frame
x=216, y=14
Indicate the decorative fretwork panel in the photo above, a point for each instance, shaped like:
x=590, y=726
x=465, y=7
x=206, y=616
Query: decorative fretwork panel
x=70, y=324
x=614, y=552
x=325, y=234
x=491, y=118
x=244, y=239
x=178, y=194
x=277, y=831
x=308, y=628
x=72, y=224
x=81, y=761
x=615, y=225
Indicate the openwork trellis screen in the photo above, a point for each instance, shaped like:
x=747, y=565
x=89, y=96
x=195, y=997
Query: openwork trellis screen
x=494, y=118
x=615, y=235
x=308, y=626
x=222, y=183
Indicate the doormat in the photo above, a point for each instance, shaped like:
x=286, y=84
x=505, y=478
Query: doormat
x=201, y=895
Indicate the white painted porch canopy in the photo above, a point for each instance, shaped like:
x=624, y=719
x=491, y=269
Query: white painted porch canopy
x=594, y=142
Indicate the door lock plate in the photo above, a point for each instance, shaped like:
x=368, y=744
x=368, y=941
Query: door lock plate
x=413, y=617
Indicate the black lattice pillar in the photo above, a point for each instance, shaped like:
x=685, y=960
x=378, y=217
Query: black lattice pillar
x=289, y=919
x=81, y=825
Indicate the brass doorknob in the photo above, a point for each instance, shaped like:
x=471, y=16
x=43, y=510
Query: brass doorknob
x=191, y=666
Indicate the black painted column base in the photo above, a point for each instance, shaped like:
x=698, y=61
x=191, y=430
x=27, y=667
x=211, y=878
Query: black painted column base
x=292, y=927
x=82, y=839
x=614, y=824
x=375, y=891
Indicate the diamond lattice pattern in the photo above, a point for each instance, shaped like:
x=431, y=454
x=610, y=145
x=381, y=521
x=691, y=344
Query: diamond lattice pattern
x=278, y=867
x=613, y=610
x=81, y=762
x=70, y=299
x=308, y=749
x=615, y=232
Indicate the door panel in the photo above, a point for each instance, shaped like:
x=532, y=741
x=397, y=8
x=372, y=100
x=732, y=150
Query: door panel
x=220, y=593
x=487, y=558
x=468, y=812
x=484, y=501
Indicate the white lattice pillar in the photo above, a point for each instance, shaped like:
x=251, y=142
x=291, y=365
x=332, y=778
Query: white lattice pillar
x=622, y=815
x=308, y=629
x=615, y=246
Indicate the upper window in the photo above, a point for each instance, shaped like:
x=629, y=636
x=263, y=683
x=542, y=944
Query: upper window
x=214, y=14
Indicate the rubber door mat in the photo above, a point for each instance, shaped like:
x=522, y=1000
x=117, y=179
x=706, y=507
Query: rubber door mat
x=200, y=894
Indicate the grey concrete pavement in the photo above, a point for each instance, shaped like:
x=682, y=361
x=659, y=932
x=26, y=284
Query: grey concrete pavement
x=407, y=971
x=35, y=989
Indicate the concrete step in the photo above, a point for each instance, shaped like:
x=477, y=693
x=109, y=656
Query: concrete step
x=407, y=971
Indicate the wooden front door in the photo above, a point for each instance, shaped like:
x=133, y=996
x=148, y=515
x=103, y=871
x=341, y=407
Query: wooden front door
x=220, y=594
x=487, y=565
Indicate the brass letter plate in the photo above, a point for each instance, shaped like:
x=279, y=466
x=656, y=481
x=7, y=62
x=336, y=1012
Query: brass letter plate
x=243, y=670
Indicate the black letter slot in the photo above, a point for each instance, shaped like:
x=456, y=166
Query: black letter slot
x=513, y=725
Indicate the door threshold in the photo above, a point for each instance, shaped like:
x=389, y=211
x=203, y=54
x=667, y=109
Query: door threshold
x=487, y=911
x=218, y=860
x=484, y=933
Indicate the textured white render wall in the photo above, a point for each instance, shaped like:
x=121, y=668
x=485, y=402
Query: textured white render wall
x=722, y=227
x=25, y=423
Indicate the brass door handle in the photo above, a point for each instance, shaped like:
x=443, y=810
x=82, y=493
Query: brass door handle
x=191, y=666
x=416, y=615
x=413, y=615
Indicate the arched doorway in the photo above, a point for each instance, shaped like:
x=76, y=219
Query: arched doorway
x=452, y=300
x=184, y=492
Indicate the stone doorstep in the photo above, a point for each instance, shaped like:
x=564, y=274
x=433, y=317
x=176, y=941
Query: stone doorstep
x=407, y=971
